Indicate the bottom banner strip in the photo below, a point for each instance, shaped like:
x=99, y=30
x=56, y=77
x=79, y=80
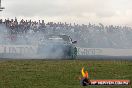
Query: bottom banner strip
x=110, y=82
x=86, y=82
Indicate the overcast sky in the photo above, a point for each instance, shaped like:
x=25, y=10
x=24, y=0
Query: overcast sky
x=117, y=12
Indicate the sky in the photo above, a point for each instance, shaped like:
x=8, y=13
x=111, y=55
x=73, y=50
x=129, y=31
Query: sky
x=108, y=12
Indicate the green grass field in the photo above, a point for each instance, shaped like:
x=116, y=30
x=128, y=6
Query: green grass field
x=60, y=73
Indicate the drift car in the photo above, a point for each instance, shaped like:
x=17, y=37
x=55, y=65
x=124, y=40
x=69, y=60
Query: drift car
x=58, y=46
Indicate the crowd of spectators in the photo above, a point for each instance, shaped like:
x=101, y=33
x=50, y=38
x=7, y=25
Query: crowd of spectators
x=89, y=35
x=24, y=25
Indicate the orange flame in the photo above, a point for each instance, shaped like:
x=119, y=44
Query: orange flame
x=84, y=74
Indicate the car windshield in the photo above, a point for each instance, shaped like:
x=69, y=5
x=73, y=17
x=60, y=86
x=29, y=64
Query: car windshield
x=59, y=38
x=56, y=39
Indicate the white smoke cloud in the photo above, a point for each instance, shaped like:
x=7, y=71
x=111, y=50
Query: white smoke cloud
x=30, y=45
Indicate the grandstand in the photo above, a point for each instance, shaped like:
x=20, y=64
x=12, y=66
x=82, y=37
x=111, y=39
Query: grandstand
x=88, y=36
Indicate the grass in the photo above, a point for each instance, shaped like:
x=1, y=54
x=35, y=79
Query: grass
x=60, y=74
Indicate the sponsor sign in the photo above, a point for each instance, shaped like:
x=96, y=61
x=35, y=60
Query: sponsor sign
x=89, y=51
x=104, y=51
x=18, y=49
